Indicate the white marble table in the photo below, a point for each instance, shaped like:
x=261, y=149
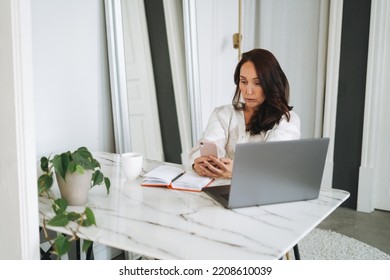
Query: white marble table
x=169, y=224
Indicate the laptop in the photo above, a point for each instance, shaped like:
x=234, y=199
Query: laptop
x=273, y=172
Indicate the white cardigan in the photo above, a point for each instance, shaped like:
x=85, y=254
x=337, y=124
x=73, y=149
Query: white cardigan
x=226, y=126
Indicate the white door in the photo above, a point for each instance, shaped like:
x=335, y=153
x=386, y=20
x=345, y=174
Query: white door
x=141, y=93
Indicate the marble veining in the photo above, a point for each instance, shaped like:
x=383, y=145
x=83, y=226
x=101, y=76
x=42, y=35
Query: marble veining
x=171, y=224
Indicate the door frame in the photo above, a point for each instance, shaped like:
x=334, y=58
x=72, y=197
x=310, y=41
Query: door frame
x=19, y=204
x=192, y=61
x=117, y=70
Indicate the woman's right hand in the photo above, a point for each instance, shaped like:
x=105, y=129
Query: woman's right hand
x=200, y=165
x=213, y=167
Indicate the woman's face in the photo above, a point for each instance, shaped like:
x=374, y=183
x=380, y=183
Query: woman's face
x=250, y=88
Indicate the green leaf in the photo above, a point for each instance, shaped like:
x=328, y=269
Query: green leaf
x=73, y=216
x=59, y=205
x=90, y=217
x=95, y=163
x=45, y=164
x=86, y=163
x=61, y=245
x=59, y=220
x=83, y=157
x=86, y=245
x=57, y=163
x=107, y=182
x=61, y=163
x=72, y=167
x=83, y=151
x=45, y=181
x=65, y=158
x=97, y=178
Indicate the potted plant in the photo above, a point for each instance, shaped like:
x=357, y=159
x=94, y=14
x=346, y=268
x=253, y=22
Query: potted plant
x=75, y=171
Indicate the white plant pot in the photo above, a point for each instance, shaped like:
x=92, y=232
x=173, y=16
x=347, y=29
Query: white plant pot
x=76, y=187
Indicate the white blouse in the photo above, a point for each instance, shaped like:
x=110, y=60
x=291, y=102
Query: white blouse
x=226, y=126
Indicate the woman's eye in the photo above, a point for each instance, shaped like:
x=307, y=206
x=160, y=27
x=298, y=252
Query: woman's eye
x=243, y=82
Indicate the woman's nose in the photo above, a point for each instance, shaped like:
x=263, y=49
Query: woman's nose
x=250, y=89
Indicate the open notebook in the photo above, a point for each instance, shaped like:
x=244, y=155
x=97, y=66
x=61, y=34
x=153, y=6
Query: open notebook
x=175, y=178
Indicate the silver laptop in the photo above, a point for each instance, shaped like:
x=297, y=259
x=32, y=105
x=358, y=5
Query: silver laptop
x=274, y=172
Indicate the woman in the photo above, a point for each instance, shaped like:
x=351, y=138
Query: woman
x=259, y=113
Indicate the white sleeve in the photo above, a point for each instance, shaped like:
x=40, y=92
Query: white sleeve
x=216, y=130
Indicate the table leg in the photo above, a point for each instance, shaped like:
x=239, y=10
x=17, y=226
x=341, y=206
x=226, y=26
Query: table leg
x=89, y=253
x=296, y=252
x=78, y=255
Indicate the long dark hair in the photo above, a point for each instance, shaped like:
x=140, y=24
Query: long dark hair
x=275, y=86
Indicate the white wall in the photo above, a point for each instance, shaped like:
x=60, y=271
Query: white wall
x=71, y=84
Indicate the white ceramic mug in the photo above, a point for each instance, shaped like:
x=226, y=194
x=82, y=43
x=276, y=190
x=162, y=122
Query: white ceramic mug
x=131, y=164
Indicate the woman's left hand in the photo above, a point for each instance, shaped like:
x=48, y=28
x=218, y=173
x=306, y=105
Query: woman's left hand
x=218, y=168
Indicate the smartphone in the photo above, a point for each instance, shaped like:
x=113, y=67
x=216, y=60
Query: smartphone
x=208, y=148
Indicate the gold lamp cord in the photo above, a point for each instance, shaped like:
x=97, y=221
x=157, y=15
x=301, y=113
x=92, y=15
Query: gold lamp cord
x=239, y=28
x=237, y=37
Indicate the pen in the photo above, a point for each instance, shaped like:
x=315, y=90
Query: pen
x=177, y=177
